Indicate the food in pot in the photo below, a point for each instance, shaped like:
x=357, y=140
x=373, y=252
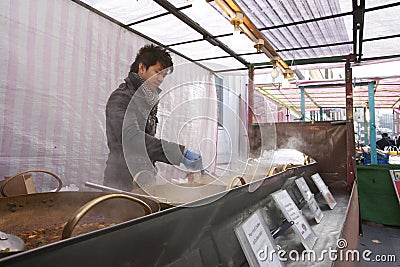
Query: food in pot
x=52, y=233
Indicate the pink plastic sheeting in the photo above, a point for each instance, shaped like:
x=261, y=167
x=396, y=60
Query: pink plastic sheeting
x=60, y=62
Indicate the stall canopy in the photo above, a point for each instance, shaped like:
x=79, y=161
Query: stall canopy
x=330, y=94
x=304, y=33
x=301, y=32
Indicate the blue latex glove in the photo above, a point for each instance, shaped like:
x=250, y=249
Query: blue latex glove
x=193, y=160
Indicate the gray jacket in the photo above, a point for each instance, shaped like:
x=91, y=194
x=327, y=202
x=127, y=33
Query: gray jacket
x=131, y=122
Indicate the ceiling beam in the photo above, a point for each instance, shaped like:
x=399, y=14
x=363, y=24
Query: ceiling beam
x=156, y=16
x=311, y=99
x=395, y=103
x=358, y=28
x=276, y=100
x=101, y=14
x=306, y=21
x=232, y=9
x=195, y=26
x=382, y=7
x=327, y=17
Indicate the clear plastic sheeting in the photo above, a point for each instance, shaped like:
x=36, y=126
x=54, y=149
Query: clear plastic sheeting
x=188, y=116
x=267, y=111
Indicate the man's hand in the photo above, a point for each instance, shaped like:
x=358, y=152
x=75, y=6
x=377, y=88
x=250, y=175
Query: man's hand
x=193, y=160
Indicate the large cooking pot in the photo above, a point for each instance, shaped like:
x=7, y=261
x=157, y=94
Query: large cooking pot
x=43, y=218
x=178, y=194
x=171, y=194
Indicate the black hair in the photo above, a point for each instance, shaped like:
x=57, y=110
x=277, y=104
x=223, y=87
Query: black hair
x=385, y=135
x=149, y=55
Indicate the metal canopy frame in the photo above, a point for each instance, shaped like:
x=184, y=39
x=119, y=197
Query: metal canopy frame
x=289, y=21
x=192, y=24
x=358, y=13
x=325, y=94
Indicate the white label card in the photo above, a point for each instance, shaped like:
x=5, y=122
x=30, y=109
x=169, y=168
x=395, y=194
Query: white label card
x=315, y=209
x=329, y=198
x=304, y=189
x=319, y=182
x=326, y=193
x=257, y=242
x=309, y=197
x=292, y=213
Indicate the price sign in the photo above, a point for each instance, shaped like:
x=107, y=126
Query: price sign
x=324, y=190
x=257, y=242
x=309, y=197
x=304, y=189
x=315, y=209
x=301, y=227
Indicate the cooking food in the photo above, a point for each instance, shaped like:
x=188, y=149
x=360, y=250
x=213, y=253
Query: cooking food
x=52, y=233
x=39, y=219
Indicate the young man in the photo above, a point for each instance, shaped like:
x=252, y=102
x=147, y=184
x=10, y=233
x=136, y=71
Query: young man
x=131, y=122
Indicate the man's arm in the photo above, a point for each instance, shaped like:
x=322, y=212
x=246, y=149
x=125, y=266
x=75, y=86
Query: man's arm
x=115, y=112
x=156, y=149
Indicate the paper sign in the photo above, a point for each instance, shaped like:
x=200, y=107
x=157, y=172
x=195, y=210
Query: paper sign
x=257, y=242
x=319, y=182
x=292, y=213
x=304, y=189
x=395, y=175
x=315, y=209
x=309, y=197
x=326, y=193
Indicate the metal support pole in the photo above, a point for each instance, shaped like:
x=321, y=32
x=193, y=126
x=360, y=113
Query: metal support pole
x=303, y=104
x=372, y=126
x=349, y=126
x=287, y=114
x=321, y=114
x=366, y=139
x=250, y=100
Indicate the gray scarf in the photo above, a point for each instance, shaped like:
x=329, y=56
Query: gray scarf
x=151, y=96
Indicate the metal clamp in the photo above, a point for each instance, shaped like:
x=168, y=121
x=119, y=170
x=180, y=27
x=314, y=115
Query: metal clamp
x=307, y=160
x=272, y=171
x=28, y=171
x=232, y=182
x=287, y=166
x=69, y=227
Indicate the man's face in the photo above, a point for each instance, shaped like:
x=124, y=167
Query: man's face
x=153, y=75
